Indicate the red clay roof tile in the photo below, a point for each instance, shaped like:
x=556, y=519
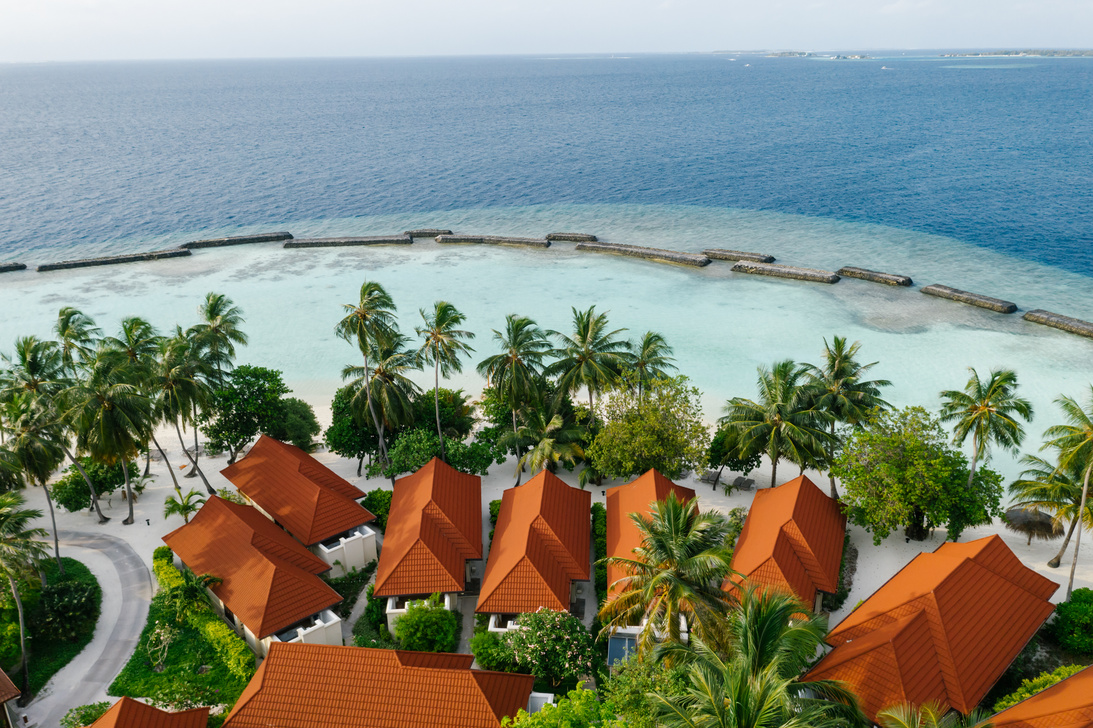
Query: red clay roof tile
x=311, y=501
x=307, y=686
x=1066, y=704
x=269, y=579
x=540, y=545
x=434, y=526
x=8, y=691
x=129, y=713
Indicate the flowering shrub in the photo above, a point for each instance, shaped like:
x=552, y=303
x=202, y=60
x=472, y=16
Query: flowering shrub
x=552, y=646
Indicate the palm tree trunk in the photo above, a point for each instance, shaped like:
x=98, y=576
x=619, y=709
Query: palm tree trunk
x=1054, y=563
x=975, y=462
x=193, y=460
x=773, y=471
x=360, y=464
x=436, y=400
x=1078, y=536
x=90, y=485
x=591, y=407
x=53, y=520
x=128, y=493
x=372, y=410
x=25, y=689
x=168, y=464
x=195, y=470
x=147, y=463
x=830, y=475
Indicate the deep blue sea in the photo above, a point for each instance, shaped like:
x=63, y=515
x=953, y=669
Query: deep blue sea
x=993, y=152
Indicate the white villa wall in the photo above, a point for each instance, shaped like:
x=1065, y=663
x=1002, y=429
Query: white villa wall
x=451, y=603
x=352, y=552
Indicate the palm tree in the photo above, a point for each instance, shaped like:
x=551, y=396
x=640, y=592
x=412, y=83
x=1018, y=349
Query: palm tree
x=987, y=411
x=368, y=322
x=443, y=347
x=37, y=368
x=784, y=422
x=136, y=346
x=1074, y=441
x=675, y=574
x=386, y=388
x=112, y=417
x=20, y=551
x=184, y=505
x=652, y=359
x=553, y=439
x=1043, y=486
x=77, y=336
x=930, y=715
x=191, y=595
x=177, y=384
x=516, y=370
x=592, y=358
x=218, y=333
x=842, y=391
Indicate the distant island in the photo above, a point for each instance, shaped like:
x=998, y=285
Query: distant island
x=1026, y=53
x=805, y=54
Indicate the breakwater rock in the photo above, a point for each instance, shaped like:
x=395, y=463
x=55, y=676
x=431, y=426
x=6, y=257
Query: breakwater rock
x=721, y=254
x=349, y=242
x=10, y=267
x=427, y=232
x=237, y=240
x=658, y=254
x=114, y=259
x=890, y=279
x=492, y=240
x=1058, y=321
x=572, y=238
x=973, y=299
x=813, y=275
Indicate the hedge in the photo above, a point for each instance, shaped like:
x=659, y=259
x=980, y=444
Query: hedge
x=1073, y=625
x=599, y=535
x=1030, y=687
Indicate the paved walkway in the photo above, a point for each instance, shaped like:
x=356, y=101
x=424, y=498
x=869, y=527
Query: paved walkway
x=127, y=590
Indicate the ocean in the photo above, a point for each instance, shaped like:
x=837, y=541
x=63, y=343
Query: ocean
x=969, y=172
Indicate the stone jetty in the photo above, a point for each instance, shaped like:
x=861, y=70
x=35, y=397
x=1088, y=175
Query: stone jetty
x=571, y=238
x=349, y=242
x=890, y=279
x=721, y=254
x=813, y=275
x=10, y=267
x=658, y=254
x=237, y=240
x=973, y=299
x=114, y=259
x=492, y=240
x=1058, y=321
x=427, y=232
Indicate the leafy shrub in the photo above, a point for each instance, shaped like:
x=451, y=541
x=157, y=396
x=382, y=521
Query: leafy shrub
x=9, y=644
x=71, y=493
x=627, y=688
x=296, y=423
x=1034, y=685
x=847, y=569
x=428, y=627
x=495, y=511
x=492, y=652
x=232, y=496
x=1073, y=625
x=456, y=413
x=375, y=610
x=553, y=646
x=67, y=610
x=83, y=715
x=578, y=709
x=735, y=518
x=378, y=503
x=367, y=633
x=599, y=539
x=350, y=587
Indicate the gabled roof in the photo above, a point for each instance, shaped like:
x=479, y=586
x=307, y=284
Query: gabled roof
x=792, y=540
x=129, y=713
x=944, y=628
x=635, y=497
x=307, y=686
x=311, y=501
x=8, y=691
x=1066, y=704
x=434, y=526
x=540, y=545
x=269, y=579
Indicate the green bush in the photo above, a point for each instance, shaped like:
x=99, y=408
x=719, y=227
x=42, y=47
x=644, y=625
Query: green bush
x=366, y=635
x=1034, y=685
x=578, y=709
x=1073, y=625
x=553, y=646
x=428, y=627
x=9, y=644
x=83, y=715
x=414, y=448
x=67, y=610
x=599, y=538
x=378, y=503
x=296, y=424
x=492, y=652
x=495, y=510
x=847, y=569
x=350, y=587
x=627, y=688
x=375, y=609
x=71, y=493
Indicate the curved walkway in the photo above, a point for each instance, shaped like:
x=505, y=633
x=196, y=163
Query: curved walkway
x=127, y=590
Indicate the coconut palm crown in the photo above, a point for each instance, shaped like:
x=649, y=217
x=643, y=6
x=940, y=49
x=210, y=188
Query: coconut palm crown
x=1074, y=442
x=443, y=347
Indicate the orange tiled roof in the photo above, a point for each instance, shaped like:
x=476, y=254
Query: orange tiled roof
x=540, y=545
x=435, y=525
x=792, y=540
x=129, y=713
x=944, y=628
x=269, y=579
x=1066, y=704
x=311, y=501
x=635, y=497
x=307, y=686
x=8, y=691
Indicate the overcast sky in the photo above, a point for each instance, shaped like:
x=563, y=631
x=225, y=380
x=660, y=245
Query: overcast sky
x=63, y=30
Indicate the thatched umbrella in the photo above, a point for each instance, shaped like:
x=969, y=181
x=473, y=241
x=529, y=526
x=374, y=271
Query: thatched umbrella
x=1033, y=523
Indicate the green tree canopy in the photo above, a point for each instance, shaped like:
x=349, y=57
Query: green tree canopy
x=428, y=627
x=250, y=403
x=553, y=646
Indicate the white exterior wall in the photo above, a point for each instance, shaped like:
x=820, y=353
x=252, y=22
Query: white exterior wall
x=496, y=626
x=327, y=630
x=352, y=552
x=451, y=603
x=536, y=701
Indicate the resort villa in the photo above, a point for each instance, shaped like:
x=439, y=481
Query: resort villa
x=943, y=629
x=540, y=547
x=129, y=713
x=433, y=541
x=623, y=536
x=269, y=590
x=317, y=506
x=310, y=686
x=792, y=541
